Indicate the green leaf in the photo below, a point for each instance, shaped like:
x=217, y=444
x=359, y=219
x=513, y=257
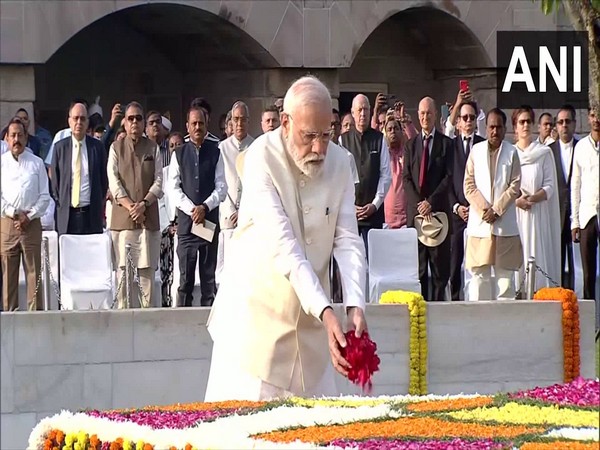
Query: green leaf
x=548, y=6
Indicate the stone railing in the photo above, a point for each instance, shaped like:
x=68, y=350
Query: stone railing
x=118, y=359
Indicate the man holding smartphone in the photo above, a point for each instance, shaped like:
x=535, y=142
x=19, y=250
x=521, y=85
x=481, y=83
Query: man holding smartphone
x=463, y=143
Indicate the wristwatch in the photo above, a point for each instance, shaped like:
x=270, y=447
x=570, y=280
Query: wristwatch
x=146, y=203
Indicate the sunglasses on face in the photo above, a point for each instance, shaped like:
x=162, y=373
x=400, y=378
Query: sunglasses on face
x=524, y=121
x=564, y=122
x=468, y=117
x=135, y=118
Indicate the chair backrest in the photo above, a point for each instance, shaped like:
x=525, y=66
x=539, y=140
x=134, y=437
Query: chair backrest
x=394, y=253
x=85, y=257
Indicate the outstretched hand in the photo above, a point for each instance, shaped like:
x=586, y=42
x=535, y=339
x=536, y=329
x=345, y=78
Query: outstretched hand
x=336, y=340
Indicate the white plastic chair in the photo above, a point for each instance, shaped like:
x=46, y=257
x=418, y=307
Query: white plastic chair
x=393, y=262
x=86, y=271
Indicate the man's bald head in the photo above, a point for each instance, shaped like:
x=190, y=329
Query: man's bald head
x=361, y=112
x=427, y=114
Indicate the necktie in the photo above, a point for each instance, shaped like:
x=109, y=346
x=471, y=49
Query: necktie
x=467, y=145
x=424, y=162
x=76, y=186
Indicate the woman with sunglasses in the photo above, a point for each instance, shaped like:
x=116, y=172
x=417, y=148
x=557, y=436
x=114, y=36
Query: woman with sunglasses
x=538, y=215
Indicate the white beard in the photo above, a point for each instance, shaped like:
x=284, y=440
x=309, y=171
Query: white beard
x=311, y=165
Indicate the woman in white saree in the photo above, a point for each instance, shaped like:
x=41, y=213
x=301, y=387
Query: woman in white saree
x=538, y=213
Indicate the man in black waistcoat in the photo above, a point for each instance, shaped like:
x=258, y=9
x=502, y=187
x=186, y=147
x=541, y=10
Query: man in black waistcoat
x=372, y=158
x=197, y=185
x=563, y=150
x=427, y=179
x=463, y=142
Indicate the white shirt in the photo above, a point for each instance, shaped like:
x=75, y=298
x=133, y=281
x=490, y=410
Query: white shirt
x=182, y=201
x=24, y=185
x=450, y=129
x=84, y=191
x=566, y=154
x=584, y=183
x=48, y=217
x=62, y=134
x=547, y=141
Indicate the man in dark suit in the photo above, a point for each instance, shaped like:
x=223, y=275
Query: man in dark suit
x=463, y=142
x=563, y=159
x=78, y=178
x=427, y=176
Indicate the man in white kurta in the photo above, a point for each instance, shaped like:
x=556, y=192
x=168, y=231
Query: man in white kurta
x=272, y=320
x=492, y=182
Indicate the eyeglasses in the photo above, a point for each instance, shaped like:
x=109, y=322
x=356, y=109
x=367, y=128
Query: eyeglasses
x=239, y=119
x=153, y=122
x=564, y=122
x=525, y=121
x=309, y=138
x=78, y=118
x=468, y=117
x=135, y=118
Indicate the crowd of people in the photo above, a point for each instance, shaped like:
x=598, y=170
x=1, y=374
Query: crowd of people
x=451, y=177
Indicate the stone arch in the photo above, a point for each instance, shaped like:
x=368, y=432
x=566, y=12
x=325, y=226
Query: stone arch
x=162, y=54
x=419, y=51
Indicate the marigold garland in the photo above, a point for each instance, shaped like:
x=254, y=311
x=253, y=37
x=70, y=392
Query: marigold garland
x=570, y=326
x=417, y=308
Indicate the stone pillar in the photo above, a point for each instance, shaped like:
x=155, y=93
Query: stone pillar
x=17, y=90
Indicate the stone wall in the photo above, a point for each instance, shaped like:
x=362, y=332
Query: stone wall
x=117, y=359
x=17, y=90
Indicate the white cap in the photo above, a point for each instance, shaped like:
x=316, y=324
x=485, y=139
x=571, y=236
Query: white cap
x=166, y=123
x=95, y=108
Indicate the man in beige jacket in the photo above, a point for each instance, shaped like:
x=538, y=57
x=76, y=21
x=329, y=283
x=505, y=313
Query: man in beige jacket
x=492, y=184
x=272, y=324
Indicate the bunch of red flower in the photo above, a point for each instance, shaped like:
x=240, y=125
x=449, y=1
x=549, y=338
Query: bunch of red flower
x=361, y=353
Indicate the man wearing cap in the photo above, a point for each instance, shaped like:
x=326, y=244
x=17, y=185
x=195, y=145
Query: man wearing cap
x=492, y=184
x=427, y=174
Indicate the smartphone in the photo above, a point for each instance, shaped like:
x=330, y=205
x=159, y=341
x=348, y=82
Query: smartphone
x=464, y=85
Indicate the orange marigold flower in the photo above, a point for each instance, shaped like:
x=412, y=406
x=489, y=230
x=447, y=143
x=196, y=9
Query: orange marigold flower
x=404, y=426
x=450, y=405
x=60, y=437
x=188, y=446
x=148, y=447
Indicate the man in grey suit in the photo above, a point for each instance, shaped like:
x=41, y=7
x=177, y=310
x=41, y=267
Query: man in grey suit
x=78, y=178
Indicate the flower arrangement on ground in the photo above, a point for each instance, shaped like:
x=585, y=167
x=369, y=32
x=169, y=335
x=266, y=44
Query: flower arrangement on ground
x=549, y=418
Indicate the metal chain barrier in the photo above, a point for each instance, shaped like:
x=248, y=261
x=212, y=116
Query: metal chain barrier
x=130, y=270
x=46, y=279
x=519, y=293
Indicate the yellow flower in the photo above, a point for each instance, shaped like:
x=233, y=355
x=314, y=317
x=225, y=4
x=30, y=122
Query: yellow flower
x=528, y=414
x=338, y=403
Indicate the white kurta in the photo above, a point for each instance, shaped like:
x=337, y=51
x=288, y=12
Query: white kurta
x=539, y=227
x=272, y=233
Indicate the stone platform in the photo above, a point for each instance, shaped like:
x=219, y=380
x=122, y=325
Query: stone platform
x=117, y=359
